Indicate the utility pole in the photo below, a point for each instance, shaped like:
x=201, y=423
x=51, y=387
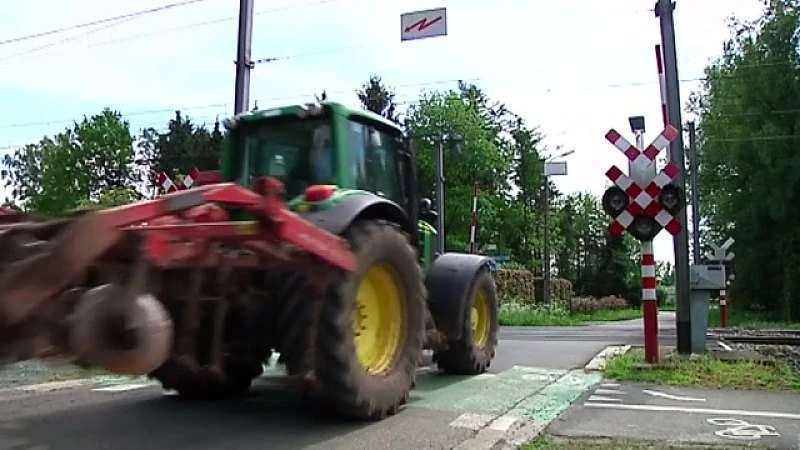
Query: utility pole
x=664, y=10
x=695, y=193
x=546, y=272
x=440, y=194
x=241, y=100
x=551, y=168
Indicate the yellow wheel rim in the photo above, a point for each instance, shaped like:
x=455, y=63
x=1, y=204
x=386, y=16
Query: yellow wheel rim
x=480, y=319
x=378, y=319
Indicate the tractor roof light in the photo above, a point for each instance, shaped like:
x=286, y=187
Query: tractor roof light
x=644, y=227
x=319, y=193
x=615, y=200
x=671, y=199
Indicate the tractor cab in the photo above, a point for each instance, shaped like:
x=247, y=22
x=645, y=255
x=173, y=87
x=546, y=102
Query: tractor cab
x=320, y=144
x=324, y=152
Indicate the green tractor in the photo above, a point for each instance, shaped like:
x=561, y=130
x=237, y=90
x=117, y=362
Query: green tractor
x=310, y=242
x=352, y=173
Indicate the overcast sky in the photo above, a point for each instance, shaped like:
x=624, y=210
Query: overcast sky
x=575, y=68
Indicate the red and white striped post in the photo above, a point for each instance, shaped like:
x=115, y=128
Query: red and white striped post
x=473, y=247
x=723, y=308
x=662, y=83
x=166, y=183
x=649, y=303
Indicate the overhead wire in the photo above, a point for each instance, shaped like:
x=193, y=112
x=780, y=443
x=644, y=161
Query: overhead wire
x=99, y=21
x=68, y=39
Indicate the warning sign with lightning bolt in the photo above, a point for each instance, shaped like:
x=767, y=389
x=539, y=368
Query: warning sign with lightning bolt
x=423, y=24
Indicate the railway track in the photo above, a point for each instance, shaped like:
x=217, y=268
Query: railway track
x=787, y=339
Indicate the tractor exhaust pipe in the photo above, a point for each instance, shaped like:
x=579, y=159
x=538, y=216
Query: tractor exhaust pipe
x=126, y=336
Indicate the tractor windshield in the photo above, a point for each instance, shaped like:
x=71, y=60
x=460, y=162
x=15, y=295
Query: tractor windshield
x=298, y=152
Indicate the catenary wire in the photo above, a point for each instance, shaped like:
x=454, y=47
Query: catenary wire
x=99, y=21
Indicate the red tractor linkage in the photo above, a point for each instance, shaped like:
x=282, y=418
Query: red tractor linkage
x=59, y=279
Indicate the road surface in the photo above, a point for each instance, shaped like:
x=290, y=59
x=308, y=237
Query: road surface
x=687, y=415
x=532, y=380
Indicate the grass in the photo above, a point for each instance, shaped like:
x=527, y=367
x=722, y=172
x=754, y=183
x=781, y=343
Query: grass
x=515, y=314
x=557, y=443
x=749, y=319
x=704, y=371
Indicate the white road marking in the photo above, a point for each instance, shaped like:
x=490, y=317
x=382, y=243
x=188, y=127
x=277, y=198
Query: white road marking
x=600, y=398
x=502, y=423
x=660, y=408
x=53, y=386
x=121, y=387
x=485, y=375
x=742, y=431
x=609, y=385
x=682, y=398
x=609, y=392
x=488, y=437
x=471, y=421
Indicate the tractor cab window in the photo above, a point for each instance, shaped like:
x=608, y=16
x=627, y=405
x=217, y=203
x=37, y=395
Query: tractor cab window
x=298, y=152
x=375, y=161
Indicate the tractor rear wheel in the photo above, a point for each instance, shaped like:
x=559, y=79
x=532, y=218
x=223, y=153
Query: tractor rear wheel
x=371, y=326
x=473, y=353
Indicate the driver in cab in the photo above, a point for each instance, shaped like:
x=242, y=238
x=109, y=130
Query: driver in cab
x=322, y=154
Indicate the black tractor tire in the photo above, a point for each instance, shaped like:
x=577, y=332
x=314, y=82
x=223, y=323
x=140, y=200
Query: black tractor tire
x=197, y=387
x=346, y=388
x=464, y=356
x=294, y=322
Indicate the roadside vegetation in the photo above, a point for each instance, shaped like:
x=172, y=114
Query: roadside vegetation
x=703, y=371
x=555, y=443
x=521, y=315
x=751, y=320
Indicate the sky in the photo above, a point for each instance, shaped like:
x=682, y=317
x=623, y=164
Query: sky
x=574, y=68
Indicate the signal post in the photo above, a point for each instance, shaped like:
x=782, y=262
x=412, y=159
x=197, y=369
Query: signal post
x=643, y=204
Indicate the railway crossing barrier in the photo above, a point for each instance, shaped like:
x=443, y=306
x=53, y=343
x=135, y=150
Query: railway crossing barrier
x=644, y=203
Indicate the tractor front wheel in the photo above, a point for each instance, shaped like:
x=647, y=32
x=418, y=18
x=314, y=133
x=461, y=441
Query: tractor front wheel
x=371, y=327
x=473, y=353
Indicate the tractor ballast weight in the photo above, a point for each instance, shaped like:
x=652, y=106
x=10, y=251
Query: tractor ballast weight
x=282, y=250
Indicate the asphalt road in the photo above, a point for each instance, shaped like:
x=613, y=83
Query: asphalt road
x=687, y=415
x=515, y=399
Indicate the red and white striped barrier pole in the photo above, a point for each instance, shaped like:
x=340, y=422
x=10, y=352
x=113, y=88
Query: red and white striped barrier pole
x=662, y=83
x=649, y=303
x=189, y=180
x=169, y=187
x=473, y=247
x=723, y=308
x=166, y=183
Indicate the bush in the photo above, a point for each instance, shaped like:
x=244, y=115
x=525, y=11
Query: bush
x=515, y=313
x=588, y=305
x=515, y=284
x=560, y=290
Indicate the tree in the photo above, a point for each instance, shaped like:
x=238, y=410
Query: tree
x=749, y=172
x=378, y=98
x=54, y=175
x=481, y=161
x=183, y=147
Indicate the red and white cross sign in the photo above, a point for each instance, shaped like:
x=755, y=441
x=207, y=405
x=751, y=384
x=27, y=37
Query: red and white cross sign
x=644, y=199
x=169, y=187
x=646, y=156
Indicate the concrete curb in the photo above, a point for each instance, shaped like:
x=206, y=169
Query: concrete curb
x=598, y=363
